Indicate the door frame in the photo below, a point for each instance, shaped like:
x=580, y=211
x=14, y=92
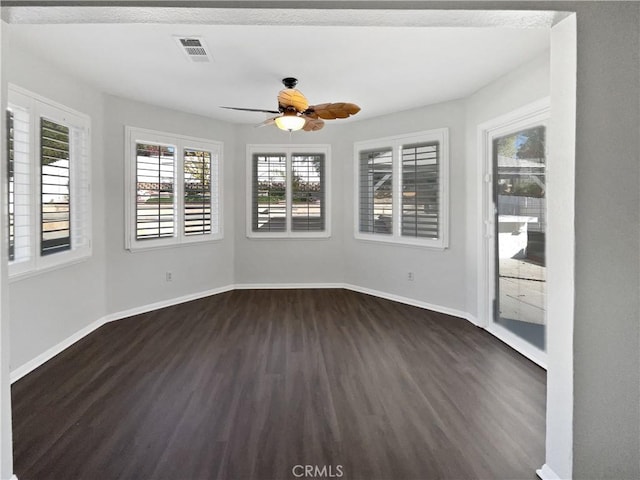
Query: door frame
x=529, y=115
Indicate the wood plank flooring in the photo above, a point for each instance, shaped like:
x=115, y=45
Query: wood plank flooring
x=248, y=384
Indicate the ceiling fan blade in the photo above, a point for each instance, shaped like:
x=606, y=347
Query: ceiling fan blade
x=329, y=111
x=312, y=124
x=251, y=109
x=267, y=122
x=290, y=97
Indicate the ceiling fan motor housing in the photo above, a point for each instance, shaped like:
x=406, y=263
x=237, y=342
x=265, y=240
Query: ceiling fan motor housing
x=290, y=82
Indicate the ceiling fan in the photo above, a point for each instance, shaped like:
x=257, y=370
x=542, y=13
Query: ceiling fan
x=295, y=113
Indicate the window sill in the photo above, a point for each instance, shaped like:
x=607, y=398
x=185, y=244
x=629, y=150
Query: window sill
x=288, y=236
x=34, y=272
x=437, y=246
x=164, y=246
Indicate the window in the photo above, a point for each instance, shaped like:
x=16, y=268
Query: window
x=289, y=195
x=55, y=212
x=402, y=189
x=49, y=201
x=173, y=194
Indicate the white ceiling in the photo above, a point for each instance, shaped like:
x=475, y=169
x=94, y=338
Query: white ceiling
x=381, y=68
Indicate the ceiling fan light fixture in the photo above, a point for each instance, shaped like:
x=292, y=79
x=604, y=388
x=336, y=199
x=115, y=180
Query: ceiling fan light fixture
x=295, y=113
x=290, y=122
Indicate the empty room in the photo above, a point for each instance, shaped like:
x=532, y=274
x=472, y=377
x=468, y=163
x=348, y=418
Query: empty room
x=280, y=240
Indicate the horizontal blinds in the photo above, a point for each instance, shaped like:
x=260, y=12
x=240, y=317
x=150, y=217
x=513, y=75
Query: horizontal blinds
x=269, y=192
x=214, y=170
x=81, y=192
x=420, y=190
x=197, y=192
x=308, y=193
x=20, y=223
x=55, y=211
x=10, y=187
x=155, y=215
x=376, y=191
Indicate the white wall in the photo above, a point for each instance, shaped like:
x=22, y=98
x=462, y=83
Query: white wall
x=438, y=274
x=289, y=261
x=47, y=308
x=561, y=249
x=342, y=259
x=138, y=279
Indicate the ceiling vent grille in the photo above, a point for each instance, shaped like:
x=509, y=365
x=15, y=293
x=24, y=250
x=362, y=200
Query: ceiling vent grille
x=194, y=48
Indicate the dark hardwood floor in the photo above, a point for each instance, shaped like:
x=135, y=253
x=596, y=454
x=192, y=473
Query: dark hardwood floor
x=249, y=384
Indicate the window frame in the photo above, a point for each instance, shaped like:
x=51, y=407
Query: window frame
x=134, y=136
x=395, y=143
x=289, y=151
x=38, y=107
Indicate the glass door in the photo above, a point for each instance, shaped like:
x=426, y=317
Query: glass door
x=519, y=172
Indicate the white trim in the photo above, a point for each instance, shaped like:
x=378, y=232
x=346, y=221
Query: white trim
x=165, y=303
x=545, y=473
x=535, y=113
x=521, y=346
x=285, y=286
x=180, y=143
x=82, y=117
x=521, y=118
x=22, y=275
x=395, y=143
x=79, y=125
x=473, y=319
x=288, y=151
x=47, y=355
x=31, y=365
x=408, y=301
x=368, y=291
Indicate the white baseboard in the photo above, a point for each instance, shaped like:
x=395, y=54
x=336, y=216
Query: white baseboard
x=545, y=473
x=473, y=319
x=408, y=301
x=356, y=288
x=31, y=365
x=518, y=344
x=285, y=286
x=165, y=303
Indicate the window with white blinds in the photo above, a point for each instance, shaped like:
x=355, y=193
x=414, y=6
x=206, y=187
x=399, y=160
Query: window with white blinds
x=49, y=200
x=173, y=192
x=269, y=185
x=402, y=189
x=10, y=187
x=288, y=191
x=155, y=167
x=55, y=193
x=307, y=192
x=420, y=190
x=198, y=212
x=376, y=191
x=19, y=189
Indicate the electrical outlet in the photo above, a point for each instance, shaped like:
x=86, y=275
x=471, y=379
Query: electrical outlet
x=168, y=276
x=410, y=276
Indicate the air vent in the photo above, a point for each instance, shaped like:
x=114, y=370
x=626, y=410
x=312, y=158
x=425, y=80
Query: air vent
x=194, y=48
